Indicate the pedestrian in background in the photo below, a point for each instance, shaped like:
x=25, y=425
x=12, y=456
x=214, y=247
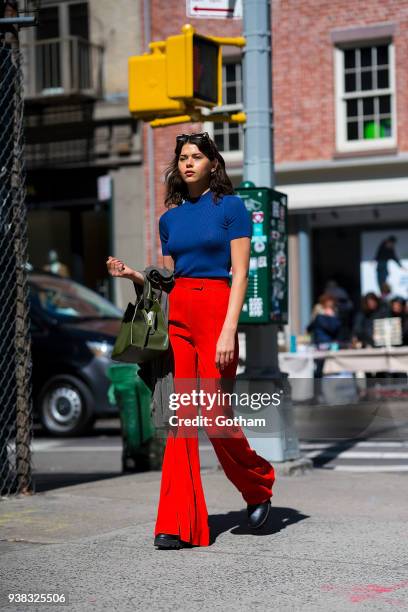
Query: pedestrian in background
x=56, y=266
x=205, y=232
x=326, y=324
x=385, y=253
x=398, y=309
x=344, y=310
x=324, y=328
x=363, y=328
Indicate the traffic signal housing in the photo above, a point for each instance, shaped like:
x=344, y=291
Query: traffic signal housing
x=148, y=84
x=194, y=68
x=179, y=74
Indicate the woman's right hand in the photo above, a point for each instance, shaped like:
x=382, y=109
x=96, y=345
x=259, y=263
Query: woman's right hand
x=116, y=267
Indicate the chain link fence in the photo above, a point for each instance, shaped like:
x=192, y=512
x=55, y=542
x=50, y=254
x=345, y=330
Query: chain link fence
x=15, y=351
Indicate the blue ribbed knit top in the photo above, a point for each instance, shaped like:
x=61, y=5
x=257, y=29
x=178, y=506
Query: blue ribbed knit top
x=197, y=234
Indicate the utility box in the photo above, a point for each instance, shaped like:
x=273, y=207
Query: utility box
x=266, y=299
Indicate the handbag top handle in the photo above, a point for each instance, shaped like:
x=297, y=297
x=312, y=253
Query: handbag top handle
x=146, y=294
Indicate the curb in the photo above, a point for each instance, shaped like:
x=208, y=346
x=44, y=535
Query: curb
x=294, y=467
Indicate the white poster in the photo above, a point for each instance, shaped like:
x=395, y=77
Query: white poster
x=384, y=259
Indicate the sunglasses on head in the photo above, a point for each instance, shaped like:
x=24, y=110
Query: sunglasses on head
x=200, y=137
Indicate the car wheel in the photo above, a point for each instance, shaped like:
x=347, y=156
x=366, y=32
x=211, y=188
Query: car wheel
x=66, y=406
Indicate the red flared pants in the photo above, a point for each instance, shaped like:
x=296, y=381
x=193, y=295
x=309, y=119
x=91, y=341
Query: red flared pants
x=197, y=309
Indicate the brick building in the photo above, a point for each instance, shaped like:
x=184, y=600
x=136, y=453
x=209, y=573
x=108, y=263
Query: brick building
x=340, y=93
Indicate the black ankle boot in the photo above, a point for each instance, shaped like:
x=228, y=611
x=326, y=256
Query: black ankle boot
x=258, y=514
x=167, y=540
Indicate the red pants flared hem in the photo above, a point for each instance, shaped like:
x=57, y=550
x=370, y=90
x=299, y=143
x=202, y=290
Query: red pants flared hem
x=197, y=310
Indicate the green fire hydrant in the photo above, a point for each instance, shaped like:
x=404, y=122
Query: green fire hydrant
x=133, y=397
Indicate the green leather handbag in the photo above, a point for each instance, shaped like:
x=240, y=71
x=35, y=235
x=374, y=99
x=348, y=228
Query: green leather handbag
x=143, y=333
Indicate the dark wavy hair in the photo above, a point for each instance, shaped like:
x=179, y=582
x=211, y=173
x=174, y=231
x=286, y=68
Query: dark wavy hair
x=176, y=188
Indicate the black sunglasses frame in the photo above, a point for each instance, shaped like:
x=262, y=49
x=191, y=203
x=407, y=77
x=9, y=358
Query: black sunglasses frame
x=200, y=137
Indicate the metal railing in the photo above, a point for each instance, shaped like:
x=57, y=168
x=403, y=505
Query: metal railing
x=63, y=67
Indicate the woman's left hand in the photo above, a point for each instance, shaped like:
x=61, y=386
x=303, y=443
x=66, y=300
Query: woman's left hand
x=224, y=353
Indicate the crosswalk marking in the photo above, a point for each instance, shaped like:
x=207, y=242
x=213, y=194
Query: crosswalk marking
x=375, y=443
x=45, y=444
x=73, y=449
x=368, y=468
x=38, y=447
x=357, y=454
x=362, y=456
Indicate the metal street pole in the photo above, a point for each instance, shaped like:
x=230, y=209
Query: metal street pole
x=150, y=145
x=261, y=339
x=257, y=76
x=262, y=355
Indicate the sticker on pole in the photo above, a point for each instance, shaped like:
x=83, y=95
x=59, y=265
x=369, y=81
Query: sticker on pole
x=258, y=217
x=214, y=9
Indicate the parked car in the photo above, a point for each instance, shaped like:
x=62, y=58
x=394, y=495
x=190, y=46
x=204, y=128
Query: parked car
x=73, y=330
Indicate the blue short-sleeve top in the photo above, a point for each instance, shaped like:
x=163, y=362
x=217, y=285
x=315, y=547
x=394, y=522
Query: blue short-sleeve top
x=197, y=234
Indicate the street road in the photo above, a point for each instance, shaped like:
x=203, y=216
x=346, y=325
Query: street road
x=334, y=438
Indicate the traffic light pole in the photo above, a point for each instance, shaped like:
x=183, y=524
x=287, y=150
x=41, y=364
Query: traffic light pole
x=257, y=81
x=261, y=339
x=147, y=18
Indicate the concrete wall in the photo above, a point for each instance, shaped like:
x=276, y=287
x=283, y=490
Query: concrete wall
x=128, y=225
x=116, y=25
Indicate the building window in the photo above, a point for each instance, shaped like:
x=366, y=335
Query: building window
x=62, y=20
x=365, y=97
x=229, y=136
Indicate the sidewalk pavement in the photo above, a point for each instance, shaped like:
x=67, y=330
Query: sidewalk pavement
x=335, y=542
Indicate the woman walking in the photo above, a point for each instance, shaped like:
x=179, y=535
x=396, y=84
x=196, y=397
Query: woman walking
x=204, y=234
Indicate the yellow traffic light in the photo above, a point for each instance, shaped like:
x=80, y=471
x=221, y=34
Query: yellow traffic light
x=148, y=84
x=194, y=65
x=180, y=75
